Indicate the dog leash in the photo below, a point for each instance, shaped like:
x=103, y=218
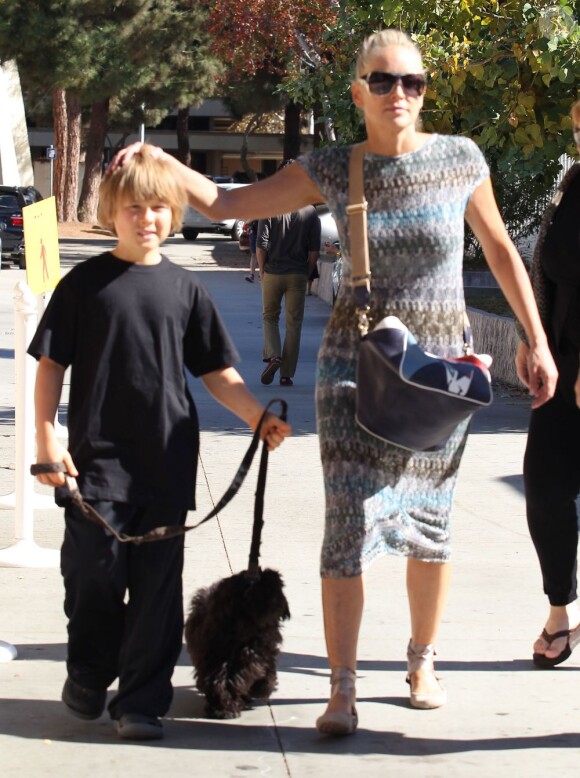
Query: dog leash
x=164, y=533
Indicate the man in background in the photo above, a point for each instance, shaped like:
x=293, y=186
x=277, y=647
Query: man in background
x=287, y=249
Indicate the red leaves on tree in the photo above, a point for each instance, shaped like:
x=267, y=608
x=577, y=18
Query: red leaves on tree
x=254, y=34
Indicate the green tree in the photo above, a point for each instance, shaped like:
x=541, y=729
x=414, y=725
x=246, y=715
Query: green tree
x=108, y=58
x=268, y=36
x=503, y=72
x=252, y=101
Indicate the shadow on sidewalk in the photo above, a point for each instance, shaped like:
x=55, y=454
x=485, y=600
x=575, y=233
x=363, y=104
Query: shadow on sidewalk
x=48, y=721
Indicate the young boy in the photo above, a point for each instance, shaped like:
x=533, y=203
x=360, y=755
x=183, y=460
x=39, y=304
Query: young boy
x=128, y=322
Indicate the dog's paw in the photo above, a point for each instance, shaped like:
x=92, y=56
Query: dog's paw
x=222, y=713
x=263, y=688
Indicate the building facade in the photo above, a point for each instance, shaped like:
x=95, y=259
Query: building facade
x=215, y=149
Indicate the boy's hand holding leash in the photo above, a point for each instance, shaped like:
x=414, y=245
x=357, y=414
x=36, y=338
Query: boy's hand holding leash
x=55, y=452
x=274, y=430
x=227, y=386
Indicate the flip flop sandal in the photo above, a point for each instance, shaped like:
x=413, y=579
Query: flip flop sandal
x=546, y=662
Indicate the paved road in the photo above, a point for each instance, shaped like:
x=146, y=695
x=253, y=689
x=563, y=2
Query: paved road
x=503, y=718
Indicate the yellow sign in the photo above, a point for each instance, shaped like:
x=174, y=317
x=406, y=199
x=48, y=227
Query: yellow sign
x=41, y=246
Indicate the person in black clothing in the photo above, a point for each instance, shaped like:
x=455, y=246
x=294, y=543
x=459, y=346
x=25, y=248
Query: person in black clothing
x=128, y=323
x=288, y=247
x=252, y=235
x=552, y=457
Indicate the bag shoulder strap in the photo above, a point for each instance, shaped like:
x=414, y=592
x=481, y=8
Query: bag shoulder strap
x=357, y=215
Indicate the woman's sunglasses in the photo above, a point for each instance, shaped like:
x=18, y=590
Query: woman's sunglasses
x=380, y=83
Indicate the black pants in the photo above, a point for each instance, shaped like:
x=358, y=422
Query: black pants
x=124, y=605
x=552, y=483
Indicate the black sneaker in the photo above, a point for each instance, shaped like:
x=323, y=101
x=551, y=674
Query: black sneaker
x=270, y=370
x=136, y=726
x=83, y=703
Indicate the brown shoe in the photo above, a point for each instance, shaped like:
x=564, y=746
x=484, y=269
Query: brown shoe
x=270, y=370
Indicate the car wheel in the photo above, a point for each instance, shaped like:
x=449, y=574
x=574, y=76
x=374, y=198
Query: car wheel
x=237, y=230
x=189, y=233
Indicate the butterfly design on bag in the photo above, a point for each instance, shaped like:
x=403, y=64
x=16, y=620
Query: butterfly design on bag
x=455, y=384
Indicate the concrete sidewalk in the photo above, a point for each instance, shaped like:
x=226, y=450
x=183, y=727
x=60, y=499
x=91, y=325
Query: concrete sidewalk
x=503, y=718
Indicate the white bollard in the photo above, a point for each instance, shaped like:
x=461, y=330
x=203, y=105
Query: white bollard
x=7, y=652
x=24, y=552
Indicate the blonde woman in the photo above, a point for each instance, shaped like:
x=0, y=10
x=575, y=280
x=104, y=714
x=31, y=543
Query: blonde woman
x=381, y=499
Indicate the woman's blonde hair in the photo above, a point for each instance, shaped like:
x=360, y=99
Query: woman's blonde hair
x=143, y=177
x=575, y=108
x=381, y=40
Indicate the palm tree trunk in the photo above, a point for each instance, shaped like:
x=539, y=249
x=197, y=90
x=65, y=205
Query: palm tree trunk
x=59, y=120
x=73, y=144
x=183, y=149
x=292, y=113
x=89, y=198
x=250, y=127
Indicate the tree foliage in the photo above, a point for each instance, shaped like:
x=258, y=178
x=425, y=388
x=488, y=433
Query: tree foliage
x=115, y=54
x=503, y=72
x=259, y=41
x=134, y=50
x=263, y=34
x=253, y=103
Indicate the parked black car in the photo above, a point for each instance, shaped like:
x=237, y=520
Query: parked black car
x=12, y=201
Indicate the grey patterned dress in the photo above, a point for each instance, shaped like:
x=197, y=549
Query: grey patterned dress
x=380, y=498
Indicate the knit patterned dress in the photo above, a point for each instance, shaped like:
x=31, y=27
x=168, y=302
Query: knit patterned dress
x=381, y=498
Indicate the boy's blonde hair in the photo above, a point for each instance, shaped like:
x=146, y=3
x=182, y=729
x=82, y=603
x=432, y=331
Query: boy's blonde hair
x=380, y=40
x=143, y=177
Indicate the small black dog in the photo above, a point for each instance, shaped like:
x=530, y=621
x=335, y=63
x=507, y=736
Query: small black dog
x=233, y=636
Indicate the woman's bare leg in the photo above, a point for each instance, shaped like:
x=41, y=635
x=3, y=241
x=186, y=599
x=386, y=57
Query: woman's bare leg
x=342, y=605
x=427, y=588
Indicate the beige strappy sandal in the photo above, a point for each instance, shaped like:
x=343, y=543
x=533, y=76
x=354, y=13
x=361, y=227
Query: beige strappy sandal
x=421, y=657
x=342, y=681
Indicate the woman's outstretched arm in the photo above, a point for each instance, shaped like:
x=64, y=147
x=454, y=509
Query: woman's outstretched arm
x=287, y=190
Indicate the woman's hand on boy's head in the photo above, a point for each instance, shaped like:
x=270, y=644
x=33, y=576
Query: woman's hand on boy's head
x=124, y=155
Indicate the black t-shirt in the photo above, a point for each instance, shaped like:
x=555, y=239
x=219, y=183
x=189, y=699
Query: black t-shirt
x=128, y=332
x=288, y=239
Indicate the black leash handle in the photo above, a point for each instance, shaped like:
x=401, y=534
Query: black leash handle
x=164, y=533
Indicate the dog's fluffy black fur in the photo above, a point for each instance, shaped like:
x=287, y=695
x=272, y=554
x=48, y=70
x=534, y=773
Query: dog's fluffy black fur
x=233, y=637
